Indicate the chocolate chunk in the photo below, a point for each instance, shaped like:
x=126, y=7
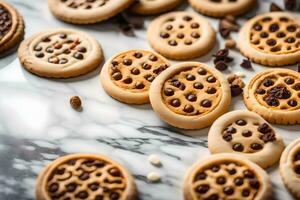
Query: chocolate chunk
x=114, y=172
x=175, y=103
x=230, y=130
x=271, y=101
x=198, y=86
x=254, y=183
x=232, y=171
x=241, y=122
x=50, y=50
x=238, y=181
x=169, y=27
x=169, y=92
x=297, y=87
x=190, y=77
x=46, y=39
x=138, y=55
x=187, y=18
x=222, y=53
x=127, y=62
x=226, y=26
x=63, y=36
x=257, y=27
x=256, y=146
x=228, y=190
x=164, y=35
x=191, y=97
x=264, y=128
x=213, y=197
x=139, y=85
x=268, y=82
x=264, y=34
x=180, y=35
x=150, y=78
x=211, y=90
x=274, y=7
x=221, y=65
x=201, y=176
x=135, y=71
x=114, y=196
x=82, y=195
x=246, y=64
x=236, y=90
x=202, y=189
x=160, y=69
x=211, y=79
x=269, y=137
x=215, y=168
x=238, y=147
x=271, y=42
x=202, y=71
x=221, y=180
x=57, y=46
x=153, y=58
x=81, y=49
x=63, y=61
x=117, y=76
x=188, y=108
x=195, y=25
x=146, y=66
x=206, y=103
x=78, y=56
x=94, y=186
x=195, y=35
x=274, y=28
x=289, y=81
x=37, y=48
x=172, y=43
x=53, y=188
x=39, y=55
x=290, y=4
x=246, y=192
x=71, y=187
x=281, y=35
x=54, y=60
x=127, y=80
x=279, y=92
x=292, y=103
x=84, y=176
x=291, y=28
x=176, y=83
x=260, y=91
x=227, y=136
x=290, y=40
x=247, y=133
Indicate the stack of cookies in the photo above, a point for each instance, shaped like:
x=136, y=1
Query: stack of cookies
x=186, y=95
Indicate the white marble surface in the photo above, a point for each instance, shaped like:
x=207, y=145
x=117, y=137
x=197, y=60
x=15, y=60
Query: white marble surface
x=37, y=124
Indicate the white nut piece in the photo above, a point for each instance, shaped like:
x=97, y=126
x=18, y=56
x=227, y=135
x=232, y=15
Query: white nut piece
x=154, y=160
x=153, y=177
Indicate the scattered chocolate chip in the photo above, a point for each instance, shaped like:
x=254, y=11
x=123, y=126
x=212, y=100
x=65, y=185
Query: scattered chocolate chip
x=274, y=27
x=164, y=35
x=63, y=61
x=153, y=58
x=82, y=195
x=226, y=27
x=279, y=92
x=257, y=27
x=84, y=176
x=146, y=66
x=75, y=102
x=236, y=90
x=94, y=186
x=221, y=65
x=274, y=7
x=195, y=35
x=117, y=76
x=71, y=187
x=195, y=25
x=213, y=197
x=238, y=147
x=290, y=40
x=187, y=18
x=222, y=53
x=264, y=34
x=272, y=101
x=180, y=35
x=127, y=80
x=268, y=82
x=230, y=130
x=232, y=171
x=81, y=49
x=172, y=43
x=39, y=55
x=53, y=188
x=271, y=42
x=37, y=48
x=63, y=36
x=289, y=81
x=135, y=71
x=138, y=54
x=150, y=78
x=114, y=172
x=227, y=136
x=46, y=39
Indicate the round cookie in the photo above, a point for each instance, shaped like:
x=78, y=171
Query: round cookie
x=290, y=167
x=247, y=134
x=60, y=53
x=150, y=7
x=87, y=11
x=275, y=95
x=221, y=8
x=85, y=176
x=190, y=95
x=12, y=26
x=127, y=76
x=226, y=176
x=271, y=39
x=181, y=35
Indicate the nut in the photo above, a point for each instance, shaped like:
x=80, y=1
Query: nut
x=153, y=177
x=75, y=102
x=154, y=160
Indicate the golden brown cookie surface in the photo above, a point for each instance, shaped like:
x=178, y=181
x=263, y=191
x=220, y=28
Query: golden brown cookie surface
x=149, y=7
x=275, y=95
x=85, y=176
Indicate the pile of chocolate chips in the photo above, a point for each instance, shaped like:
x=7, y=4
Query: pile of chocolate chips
x=221, y=59
x=5, y=21
x=275, y=93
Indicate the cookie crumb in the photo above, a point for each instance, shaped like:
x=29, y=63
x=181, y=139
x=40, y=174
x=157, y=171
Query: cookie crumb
x=236, y=85
x=153, y=177
x=221, y=66
x=154, y=160
x=230, y=44
x=75, y=102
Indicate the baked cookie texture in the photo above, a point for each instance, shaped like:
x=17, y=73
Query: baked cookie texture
x=128, y=75
x=271, y=39
x=275, y=95
x=226, y=176
x=181, y=35
x=247, y=134
x=151, y=7
x=221, y=8
x=12, y=26
x=60, y=53
x=190, y=95
x=85, y=176
x=87, y=11
x=290, y=167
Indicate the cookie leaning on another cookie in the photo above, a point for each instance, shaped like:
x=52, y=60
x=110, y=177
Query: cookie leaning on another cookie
x=226, y=176
x=247, y=134
x=85, y=176
x=190, y=95
x=271, y=39
x=12, y=26
x=221, y=8
x=290, y=167
x=60, y=53
x=275, y=95
x=86, y=11
x=181, y=35
x=150, y=7
x=127, y=76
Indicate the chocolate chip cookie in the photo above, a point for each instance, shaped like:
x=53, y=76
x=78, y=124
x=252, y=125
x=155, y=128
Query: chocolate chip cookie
x=275, y=95
x=85, y=176
x=60, y=53
x=247, y=134
x=190, y=95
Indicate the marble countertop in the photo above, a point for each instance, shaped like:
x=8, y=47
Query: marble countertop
x=37, y=123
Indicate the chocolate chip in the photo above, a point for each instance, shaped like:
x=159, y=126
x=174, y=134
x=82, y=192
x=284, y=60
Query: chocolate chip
x=256, y=146
x=269, y=137
x=246, y=192
x=222, y=53
x=281, y=35
x=94, y=186
x=71, y=187
x=206, y=103
x=139, y=85
x=84, y=176
x=63, y=36
x=257, y=27
x=176, y=83
x=114, y=196
x=292, y=103
x=260, y=91
x=127, y=80
x=290, y=40
x=221, y=65
x=195, y=35
x=202, y=71
x=254, y=183
x=211, y=79
x=150, y=78
x=236, y=90
x=37, y=48
x=264, y=35
x=226, y=26
x=146, y=66
x=232, y=171
x=279, y=92
x=71, y=162
x=187, y=18
x=191, y=97
x=297, y=87
x=57, y=46
x=127, y=62
x=172, y=43
x=195, y=25
x=248, y=174
x=291, y=28
x=274, y=28
x=289, y=81
x=40, y=55
x=153, y=58
x=215, y=168
x=63, y=61
x=54, y=60
x=264, y=128
x=202, y=189
x=60, y=171
x=138, y=55
x=246, y=64
x=290, y=4
x=114, y=172
x=297, y=157
x=297, y=169
x=169, y=27
x=239, y=181
x=274, y=7
x=271, y=42
x=82, y=49
x=175, y=103
x=188, y=108
x=211, y=90
x=247, y=133
x=135, y=71
x=82, y=195
x=201, y=176
x=169, y=92
x=230, y=130
x=78, y=56
x=198, y=86
x=227, y=136
x=160, y=69
x=164, y=35
x=117, y=76
x=53, y=188
x=221, y=180
x=180, y=35
x=66, y=51
x=213, y=197
x=228, y=190
x=241, y=122
x=272, y=101
x=268, y=82
x=46, y=39
x=190, y=77
x=238, y=147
